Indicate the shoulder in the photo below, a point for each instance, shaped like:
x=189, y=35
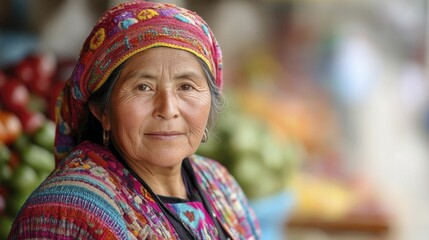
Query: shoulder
x=78, y=196
x=84, y=175
x=213, y=175
x=211, y=172
x=208, y=165
x=226, y=196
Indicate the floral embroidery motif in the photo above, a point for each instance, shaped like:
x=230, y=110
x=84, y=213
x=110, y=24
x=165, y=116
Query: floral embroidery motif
x=182, y=18
x=121, y=17
x=190, y=17
x=98, y=171
x=190, y=215
x=124, y=25
x=206, y=30
x=166, y=12
x=64, y=127
x=195, y=216
x=97, y=39
x=147, y=14
x=76, y=92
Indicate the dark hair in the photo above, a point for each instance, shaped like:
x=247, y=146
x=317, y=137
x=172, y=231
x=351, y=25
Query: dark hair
x=217, y=100
x=93, y=130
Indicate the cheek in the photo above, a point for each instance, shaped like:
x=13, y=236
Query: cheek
x=127, y=116
x=198, y=112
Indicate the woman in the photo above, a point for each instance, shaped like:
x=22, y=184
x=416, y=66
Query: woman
x=142, y=97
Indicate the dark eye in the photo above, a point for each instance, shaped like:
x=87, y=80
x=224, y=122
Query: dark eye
x=143, y=87
x=186, y=87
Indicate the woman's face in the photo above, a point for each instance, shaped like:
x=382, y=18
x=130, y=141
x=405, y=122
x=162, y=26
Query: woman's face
x=159, y=107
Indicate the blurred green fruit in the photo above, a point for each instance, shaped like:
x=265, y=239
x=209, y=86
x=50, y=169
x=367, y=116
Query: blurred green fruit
x=245, y=135
x=24, y=179
x=261, y=161
x=5, y=173
x=14, y=202
x=4, y=154
x=45, y=135
x=272, y=153
x=43, y=176
x=21, y=142
x=38, y=158
x=5, y=226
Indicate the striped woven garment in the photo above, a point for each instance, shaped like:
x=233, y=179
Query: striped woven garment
x=91, y=195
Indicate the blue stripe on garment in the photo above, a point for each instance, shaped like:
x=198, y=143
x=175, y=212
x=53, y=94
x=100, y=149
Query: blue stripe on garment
x=82, y=198
x=83, y=179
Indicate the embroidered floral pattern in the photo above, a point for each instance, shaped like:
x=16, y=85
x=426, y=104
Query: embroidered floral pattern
x=124, y=25
x=182, y=18
x=147, y=14
x=196, y=217
x=121, y=17
x=165, y=12
x=97, y=39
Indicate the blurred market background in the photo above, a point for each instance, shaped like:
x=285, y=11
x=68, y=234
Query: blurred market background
x=326, y=121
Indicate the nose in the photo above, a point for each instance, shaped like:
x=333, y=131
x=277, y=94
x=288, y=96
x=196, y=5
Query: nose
x=166, y=105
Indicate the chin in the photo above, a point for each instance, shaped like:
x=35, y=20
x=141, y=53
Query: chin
x=168, y=159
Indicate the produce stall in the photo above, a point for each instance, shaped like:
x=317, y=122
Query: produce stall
x=27, y=130
x=286, y=122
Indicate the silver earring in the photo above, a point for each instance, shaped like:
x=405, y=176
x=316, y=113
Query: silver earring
x=106, y=138
x=205, y=136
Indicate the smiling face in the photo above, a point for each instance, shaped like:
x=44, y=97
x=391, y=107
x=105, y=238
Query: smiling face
x=159, y=108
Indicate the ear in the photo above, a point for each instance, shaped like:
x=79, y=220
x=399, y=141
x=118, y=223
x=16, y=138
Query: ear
x=101, y=115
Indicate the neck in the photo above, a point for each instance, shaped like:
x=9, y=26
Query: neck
x=164, y=181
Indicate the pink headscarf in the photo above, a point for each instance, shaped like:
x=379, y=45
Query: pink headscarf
x=120, y=33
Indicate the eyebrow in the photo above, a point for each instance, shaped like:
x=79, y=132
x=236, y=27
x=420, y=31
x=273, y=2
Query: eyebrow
x=139, y=74
x=190, y=74
x=183, y=75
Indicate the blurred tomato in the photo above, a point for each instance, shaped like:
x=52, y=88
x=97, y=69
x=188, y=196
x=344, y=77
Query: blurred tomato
x=10, y=127
x=31, y=120
x=14, y=95
x=37, y=72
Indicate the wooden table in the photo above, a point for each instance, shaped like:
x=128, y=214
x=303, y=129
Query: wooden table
x=363, y=226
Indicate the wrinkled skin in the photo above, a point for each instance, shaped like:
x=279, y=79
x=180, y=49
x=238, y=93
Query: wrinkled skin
x=157, y=115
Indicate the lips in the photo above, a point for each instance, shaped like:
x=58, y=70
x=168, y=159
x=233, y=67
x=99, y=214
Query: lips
x=164, y=134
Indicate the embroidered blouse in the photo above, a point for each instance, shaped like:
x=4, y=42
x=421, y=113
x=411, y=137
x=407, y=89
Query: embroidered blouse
x=196, y=217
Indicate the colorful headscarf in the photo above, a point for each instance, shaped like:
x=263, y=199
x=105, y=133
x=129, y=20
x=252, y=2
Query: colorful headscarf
x=120, y=33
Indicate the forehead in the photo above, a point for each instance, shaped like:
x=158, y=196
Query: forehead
x=158, y=56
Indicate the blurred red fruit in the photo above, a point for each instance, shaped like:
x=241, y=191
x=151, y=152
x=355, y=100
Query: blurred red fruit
x=31, y=121
x=14, y=95
x=37, y=72
x=10, y=127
